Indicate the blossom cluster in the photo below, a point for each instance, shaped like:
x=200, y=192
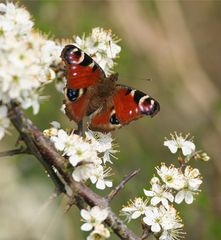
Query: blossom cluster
x=25, y=60
x=173, y=185
x=87, y=155
x=93, y=219
x=102, y=46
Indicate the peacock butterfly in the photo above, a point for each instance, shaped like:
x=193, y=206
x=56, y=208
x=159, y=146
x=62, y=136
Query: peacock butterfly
x=89, y=92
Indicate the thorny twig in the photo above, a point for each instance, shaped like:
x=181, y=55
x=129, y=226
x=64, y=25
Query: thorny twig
x=116, y=190
x=13, y=152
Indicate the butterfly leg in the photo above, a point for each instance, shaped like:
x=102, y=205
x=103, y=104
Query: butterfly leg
x=79, y=131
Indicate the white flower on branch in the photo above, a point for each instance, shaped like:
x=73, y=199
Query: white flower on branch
x=99, y=233
x=29, y=55
x=63, y=141
x=153, y=218
x=135, y=208
x=81, y=151
x=93, y=217
x=102, y=143
x=171, y=176
x=171, y=224
x=4, y=121
x=180, y=142
x=84, y=171
x=99, y=177
x=193, y=180
x=159, y=194
x=13, y=18
x=82, y=154
x=102, y=46
x=164, y=221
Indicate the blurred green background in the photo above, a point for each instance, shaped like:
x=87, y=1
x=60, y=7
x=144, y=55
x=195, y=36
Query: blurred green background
x=176, y=44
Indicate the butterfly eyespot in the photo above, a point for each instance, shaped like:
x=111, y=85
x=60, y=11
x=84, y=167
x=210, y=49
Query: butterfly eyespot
x=114, y=120
x=72, y=94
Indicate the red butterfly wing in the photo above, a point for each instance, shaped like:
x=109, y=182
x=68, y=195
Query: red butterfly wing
x=124, y=106
x=81, y=70
x=76, y=103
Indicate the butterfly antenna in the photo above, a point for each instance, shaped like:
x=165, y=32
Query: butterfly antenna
x=148, y=79
x=110, y=49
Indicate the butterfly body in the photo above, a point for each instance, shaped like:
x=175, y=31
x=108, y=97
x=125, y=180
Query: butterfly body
x=90, y=93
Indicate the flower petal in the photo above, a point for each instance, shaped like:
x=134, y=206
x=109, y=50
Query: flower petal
x=171, y=144
x=85, y=214
x=189, y=197
x=86, y=227
x=155, y=227
x=179, y=197
x=136, y=214
x=188, y=147
x=149, y=193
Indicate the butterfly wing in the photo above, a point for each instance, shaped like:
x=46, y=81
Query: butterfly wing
x=82, y=72
x=124, y=106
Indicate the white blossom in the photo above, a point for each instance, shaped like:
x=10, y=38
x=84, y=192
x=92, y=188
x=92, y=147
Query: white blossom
x=63, y=141
x=192, y=183
x=29, y=55
x=153, y=218
x=99, y=177
x=159, y=194
x=171, y=224
x=170, y=218
x=164, y=221
x=180, y=142
x=102, y=143
x=13, y=18
x=99, y=233
x=93, y=217
x=102, y=46
x=4, y=121
x=81, y=151
x=84, y=171
x=171, y=176
x=135, y=208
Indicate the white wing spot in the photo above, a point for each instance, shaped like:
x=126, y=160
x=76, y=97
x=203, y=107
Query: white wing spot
x=92, y=64
x=143, y=99
x=132, y=93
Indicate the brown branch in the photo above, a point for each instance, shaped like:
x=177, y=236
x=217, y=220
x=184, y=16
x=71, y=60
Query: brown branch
x=43, y=149
x=146, y=231
x=117, y=189
x=23, y=125
x=13, y=152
